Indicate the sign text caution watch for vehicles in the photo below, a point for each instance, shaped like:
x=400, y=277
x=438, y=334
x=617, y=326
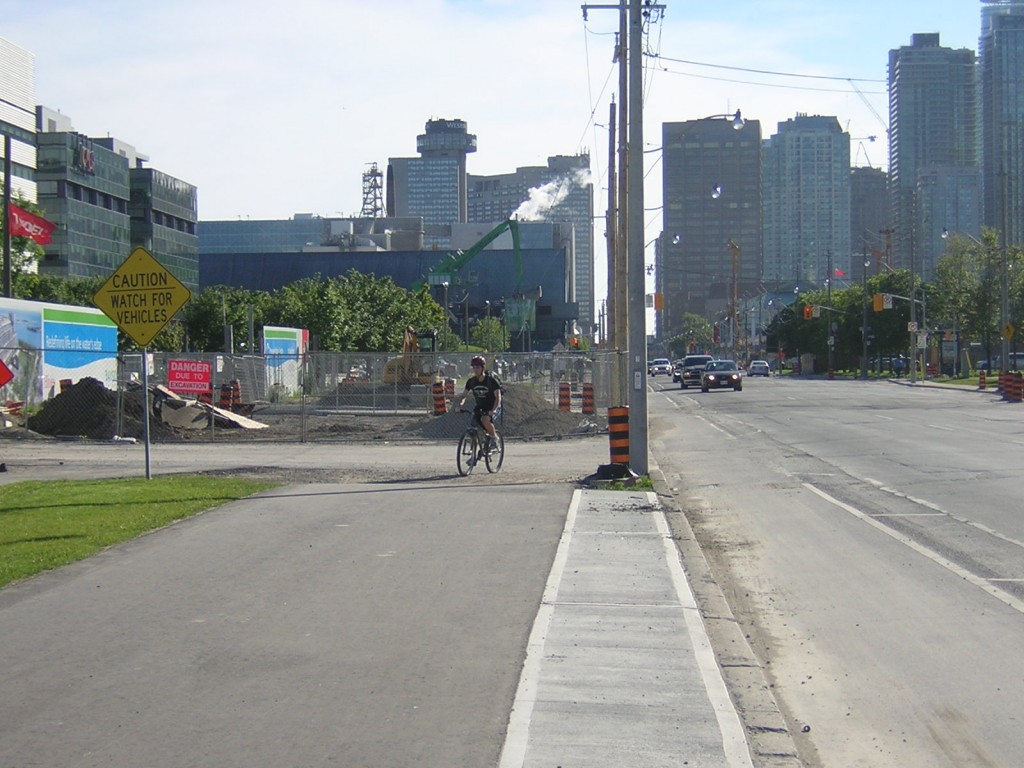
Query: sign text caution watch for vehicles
x=141, y=297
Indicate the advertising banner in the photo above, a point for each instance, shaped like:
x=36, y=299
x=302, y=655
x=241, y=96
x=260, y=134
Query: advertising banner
x=43, y=344
x=284, y=350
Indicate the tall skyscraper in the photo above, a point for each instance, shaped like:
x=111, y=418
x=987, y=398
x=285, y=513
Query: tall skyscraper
x=560, y=191
x=933, y=130
x=806, y=202
x=1002, y=80
x=711, y=193
x=869, y=218
x=18, y=116
x=433, y=185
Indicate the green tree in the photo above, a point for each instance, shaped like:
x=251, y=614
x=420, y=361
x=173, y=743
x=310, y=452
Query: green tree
x=489, y=334
x=695, y=332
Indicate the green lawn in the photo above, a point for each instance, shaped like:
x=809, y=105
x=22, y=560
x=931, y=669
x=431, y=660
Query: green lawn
x=45, y=525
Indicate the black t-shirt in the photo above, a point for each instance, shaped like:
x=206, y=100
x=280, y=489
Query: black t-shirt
x=484, y=391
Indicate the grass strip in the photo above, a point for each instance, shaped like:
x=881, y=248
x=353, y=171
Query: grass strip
x=45, y=525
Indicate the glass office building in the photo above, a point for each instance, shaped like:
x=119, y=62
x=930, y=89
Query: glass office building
x=711, y=191
x=83, y=188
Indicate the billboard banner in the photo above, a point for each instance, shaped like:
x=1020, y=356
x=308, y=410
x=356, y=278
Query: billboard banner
x=44, y=344
x=284, y=350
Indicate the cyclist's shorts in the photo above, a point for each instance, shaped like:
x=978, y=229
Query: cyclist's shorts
x=478, y=412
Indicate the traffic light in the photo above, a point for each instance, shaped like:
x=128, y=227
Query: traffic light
x=808, y=313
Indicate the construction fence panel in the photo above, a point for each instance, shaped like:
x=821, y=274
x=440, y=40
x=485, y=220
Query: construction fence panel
x=306, y=397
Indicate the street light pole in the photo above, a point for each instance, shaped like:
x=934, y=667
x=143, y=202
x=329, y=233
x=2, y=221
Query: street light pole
x=864, y=322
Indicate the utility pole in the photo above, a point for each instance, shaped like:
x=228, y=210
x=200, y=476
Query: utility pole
x=621, y=317
x=638, y=435
x=611, y=226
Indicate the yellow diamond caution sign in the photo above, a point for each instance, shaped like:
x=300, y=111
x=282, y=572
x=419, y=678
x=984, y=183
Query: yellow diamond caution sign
x=141, y=297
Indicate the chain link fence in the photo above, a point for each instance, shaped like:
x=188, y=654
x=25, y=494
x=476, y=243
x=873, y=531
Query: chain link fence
x=309, y=397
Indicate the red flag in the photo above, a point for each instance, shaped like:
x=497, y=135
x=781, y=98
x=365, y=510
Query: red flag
x=25, y=224
x=840, y=273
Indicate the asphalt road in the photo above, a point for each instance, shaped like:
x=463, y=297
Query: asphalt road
x=868, y=538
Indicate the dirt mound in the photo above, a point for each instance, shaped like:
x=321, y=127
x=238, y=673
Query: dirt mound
x=90, y=410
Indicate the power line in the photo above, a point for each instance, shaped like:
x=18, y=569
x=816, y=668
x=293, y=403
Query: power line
x=668, y=71
x=765, y=71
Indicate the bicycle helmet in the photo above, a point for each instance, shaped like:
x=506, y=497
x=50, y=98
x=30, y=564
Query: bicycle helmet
x=478, y=361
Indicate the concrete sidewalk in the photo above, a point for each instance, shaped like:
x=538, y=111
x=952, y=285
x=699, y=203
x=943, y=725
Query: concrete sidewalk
x=619, y=669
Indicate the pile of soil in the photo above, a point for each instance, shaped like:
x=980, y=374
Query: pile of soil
x=87, y=409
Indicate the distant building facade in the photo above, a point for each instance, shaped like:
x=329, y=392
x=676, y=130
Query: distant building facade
x=933, y=124
x=566, y=181
x=711, y=194
x=433, y=185
x=1001, y=56
x=105, y=203
x=17, y=116
x=806, y=201
x=869, y=218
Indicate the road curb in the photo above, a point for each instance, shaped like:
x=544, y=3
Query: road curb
x=771, y=741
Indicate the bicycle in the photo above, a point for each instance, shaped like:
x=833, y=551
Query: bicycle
x=471, y=449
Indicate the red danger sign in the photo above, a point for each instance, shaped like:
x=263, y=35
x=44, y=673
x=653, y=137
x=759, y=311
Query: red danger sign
x=189, y=376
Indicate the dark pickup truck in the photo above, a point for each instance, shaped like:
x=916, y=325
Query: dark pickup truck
x=691, y=369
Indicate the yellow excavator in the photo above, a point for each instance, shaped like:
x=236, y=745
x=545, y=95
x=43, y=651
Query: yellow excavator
x=416, y=363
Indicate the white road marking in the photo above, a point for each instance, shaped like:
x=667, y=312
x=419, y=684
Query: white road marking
x=949, y=565
x=513, y=754
x=939, y=510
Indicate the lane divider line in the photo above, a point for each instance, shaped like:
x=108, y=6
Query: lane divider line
x=983, y=584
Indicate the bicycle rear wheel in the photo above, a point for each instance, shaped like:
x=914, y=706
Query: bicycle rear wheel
x=496, y=456
x=466, y=457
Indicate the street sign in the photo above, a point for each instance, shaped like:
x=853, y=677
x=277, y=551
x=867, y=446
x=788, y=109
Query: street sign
x=6, y=375
x=141, y=297
x=1008, y=330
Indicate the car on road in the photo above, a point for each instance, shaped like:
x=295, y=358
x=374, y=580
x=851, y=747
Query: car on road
x=759, y=368
x=691, y=369
x=659, y=365
x=721, y=373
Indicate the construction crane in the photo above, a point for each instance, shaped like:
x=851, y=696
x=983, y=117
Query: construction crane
x=444, y=270
x=860, y=147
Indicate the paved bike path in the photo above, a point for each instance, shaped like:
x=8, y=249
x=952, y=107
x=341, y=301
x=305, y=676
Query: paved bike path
x=619, y=669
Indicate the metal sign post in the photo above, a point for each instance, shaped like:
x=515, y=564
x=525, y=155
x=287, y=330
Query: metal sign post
x=141, y=297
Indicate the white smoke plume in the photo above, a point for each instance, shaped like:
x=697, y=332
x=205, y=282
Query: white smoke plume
x=545, y=197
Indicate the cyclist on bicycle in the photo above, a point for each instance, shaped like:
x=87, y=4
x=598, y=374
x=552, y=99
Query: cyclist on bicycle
x=486, y=389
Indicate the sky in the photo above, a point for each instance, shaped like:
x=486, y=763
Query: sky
x=273, y=109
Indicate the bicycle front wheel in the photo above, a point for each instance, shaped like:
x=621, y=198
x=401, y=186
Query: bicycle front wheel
x=496, y=456
x=465, y=459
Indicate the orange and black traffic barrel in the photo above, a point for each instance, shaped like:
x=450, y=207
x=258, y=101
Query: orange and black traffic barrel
x=440, y=407
x=588, y=398
x=618, y=434
x=564, y=397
